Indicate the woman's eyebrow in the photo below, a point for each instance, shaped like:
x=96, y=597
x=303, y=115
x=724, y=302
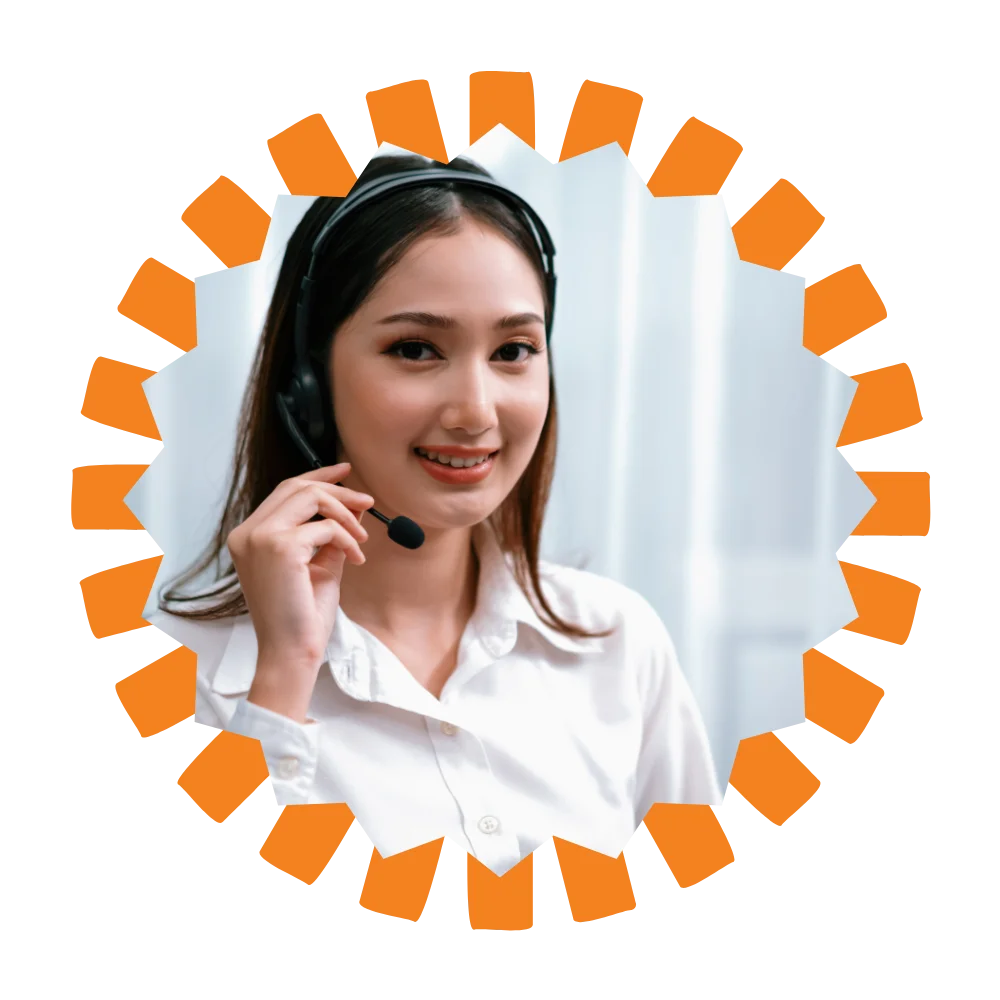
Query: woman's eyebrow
x=447, y=322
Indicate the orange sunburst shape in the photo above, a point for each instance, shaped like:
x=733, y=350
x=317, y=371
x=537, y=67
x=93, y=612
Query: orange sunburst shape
x=404, y=115
x=602, y=113
x=161, y=300
x=162, y=693
x=885, y=402
x=98, y=496
x=597, y=887
x=839, y=700
x=772, y=779
x=501, y=97
x=778, y=226
x=229, y=222
x=697, y=161
x=224, y=775
x=691, y=839
x=305, y=837
x=839, y=307
x=903, y=504
x=400, y=886
x=772, y=232
x=887, y=604
x=114, y=397
x=310, y=159
x=113, y=599
x=500, y=902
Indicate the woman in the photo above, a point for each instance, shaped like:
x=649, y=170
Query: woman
x=464, y=687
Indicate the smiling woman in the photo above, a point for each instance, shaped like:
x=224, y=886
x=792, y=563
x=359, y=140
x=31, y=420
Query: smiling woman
x=465, y=687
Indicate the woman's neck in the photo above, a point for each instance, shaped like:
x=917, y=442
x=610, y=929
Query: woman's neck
x=402, y=591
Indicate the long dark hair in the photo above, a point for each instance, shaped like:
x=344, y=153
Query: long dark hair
x=368, y=244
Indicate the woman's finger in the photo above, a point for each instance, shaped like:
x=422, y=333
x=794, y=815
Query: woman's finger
x=313, y=499
x=326, y=476
x=317, y=534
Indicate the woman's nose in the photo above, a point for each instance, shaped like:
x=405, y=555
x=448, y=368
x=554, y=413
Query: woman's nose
x=471, y=405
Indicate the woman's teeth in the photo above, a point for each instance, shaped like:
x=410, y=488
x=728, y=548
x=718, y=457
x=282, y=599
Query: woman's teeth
x=455, y=463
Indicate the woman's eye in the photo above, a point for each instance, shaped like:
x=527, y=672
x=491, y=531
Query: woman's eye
x=411, y=350
x=509, y=352
x=416, y=350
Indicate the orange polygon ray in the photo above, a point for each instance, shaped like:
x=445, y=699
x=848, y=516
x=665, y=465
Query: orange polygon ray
x=596, y=885
x=224, y=774
x=839, y=307
x=162, y=301
x=771, y=778
x=839, y=700
x=697, y=162
x=902, y=504
x=115, y=598
x=777, y=227
x=98, y=497
x=161, y=694
x=115, y=397
x=229, y=222
x=500, y=902
x=690, y=839
x=306, y=837
x=398, y=885
x=885, y=401
x=310, y=160
x=506, y=99
x=404, y=115
x=886, y=604
x=601, y=115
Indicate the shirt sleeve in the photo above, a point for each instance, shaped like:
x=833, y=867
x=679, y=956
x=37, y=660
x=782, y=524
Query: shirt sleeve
x=675, y=759
x=291, y=750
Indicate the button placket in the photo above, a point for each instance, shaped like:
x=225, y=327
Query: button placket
x=462, y=761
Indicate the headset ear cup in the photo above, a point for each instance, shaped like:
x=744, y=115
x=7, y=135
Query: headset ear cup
x=312, y=404
x=328, y=439
x=292, y=397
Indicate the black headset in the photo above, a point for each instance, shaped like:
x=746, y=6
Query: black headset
x=301, y=404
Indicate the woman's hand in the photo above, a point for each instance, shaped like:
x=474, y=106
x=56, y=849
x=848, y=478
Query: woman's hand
x=290, y=568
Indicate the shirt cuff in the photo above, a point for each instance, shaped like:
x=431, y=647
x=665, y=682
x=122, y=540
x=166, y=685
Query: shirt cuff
x=291, y=749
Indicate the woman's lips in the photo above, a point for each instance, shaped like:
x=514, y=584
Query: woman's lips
x=457, y=477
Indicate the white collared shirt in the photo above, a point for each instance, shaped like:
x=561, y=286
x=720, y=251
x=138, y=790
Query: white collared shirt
x=535, y=734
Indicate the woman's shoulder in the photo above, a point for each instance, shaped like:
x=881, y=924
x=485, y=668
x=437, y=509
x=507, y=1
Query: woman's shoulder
x=598, y=602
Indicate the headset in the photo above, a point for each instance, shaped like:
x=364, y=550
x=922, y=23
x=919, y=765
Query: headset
x=300, y=404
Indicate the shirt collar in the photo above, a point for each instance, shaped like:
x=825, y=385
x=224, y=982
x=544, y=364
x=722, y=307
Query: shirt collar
x=501, y=606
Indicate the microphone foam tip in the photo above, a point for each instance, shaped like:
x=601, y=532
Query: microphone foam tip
x=405, y=532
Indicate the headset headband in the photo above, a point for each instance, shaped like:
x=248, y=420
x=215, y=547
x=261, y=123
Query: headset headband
x=419, y=178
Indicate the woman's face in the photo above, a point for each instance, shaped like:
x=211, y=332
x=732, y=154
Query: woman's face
x=447, y=355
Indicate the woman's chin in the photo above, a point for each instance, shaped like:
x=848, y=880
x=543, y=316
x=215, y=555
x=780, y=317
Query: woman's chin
x=449, y=513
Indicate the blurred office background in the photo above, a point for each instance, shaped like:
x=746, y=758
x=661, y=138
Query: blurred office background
x=697, y=447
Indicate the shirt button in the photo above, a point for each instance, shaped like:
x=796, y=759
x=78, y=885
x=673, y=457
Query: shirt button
x=448, y=729
x=288, y=767
x=489, y=824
